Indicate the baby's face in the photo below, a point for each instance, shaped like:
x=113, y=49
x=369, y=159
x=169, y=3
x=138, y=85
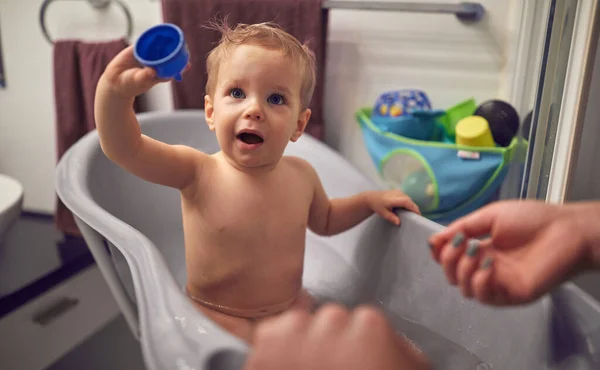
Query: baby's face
x=255, y=109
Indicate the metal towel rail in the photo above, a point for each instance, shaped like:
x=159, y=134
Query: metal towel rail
x=469, y=12
x=97, y=4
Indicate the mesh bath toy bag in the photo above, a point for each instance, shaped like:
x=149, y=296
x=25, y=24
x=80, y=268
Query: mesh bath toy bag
x=444, y=179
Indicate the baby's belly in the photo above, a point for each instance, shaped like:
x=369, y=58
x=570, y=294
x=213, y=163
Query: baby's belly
x=239, y=283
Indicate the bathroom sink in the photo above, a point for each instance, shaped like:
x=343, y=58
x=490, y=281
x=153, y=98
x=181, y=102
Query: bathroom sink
x=11, y=202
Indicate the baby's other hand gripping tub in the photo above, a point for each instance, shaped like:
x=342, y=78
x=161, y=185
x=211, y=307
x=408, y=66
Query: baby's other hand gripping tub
x=134, y=231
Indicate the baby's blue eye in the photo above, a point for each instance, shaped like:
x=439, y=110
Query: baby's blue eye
x=237, y=93
x=276, y=99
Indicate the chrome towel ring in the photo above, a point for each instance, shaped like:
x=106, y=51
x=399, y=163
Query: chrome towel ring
x=98, y=4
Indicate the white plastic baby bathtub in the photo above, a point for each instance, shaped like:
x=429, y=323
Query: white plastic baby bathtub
x=134, y=231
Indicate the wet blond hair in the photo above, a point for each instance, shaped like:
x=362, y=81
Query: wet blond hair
x=268, y=35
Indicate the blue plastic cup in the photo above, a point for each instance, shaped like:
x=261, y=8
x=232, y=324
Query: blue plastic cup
x=163, y=48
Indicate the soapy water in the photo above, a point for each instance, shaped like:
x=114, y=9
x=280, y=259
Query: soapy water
x=441, y=352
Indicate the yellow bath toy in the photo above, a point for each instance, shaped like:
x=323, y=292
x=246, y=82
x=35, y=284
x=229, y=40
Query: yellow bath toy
x=474, y=131
x=396, y=110
x=383, y=109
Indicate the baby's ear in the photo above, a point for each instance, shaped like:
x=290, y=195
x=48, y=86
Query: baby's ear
x=301, y=124
x=209, y=112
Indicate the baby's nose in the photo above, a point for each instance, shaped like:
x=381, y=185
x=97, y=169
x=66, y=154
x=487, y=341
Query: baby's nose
x=254, y=112
x=253, y=115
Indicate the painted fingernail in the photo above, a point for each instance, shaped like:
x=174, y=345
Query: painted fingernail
x=430, y=245
x=487, y=262
x=472, y=247
x=458, y=240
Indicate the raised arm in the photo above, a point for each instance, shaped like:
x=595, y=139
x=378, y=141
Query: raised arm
x=119, y=131
x=333, y=216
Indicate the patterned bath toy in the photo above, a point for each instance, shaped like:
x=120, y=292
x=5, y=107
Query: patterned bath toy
x=402, y=102
x=407, y=113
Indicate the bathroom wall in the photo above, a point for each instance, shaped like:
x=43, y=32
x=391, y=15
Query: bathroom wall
x=369, y=53
x=27, y=136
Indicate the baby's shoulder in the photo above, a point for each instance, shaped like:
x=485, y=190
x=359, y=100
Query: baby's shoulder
x=298, y=164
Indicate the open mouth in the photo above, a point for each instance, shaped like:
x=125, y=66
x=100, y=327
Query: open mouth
x=250, y=138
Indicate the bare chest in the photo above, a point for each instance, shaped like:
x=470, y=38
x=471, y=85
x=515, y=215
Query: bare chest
x=235, y=210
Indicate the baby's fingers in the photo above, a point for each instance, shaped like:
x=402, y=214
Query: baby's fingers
x=124, y=60
x=144, y=77
x=389, y=215
x=403, y=202
x=139, y=79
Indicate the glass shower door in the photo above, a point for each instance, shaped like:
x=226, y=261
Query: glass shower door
x=564, y=66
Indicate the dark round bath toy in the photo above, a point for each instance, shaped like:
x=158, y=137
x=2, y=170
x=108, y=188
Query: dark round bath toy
x=502, y=118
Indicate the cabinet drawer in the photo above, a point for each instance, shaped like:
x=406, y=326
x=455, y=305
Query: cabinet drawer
x=43, y=330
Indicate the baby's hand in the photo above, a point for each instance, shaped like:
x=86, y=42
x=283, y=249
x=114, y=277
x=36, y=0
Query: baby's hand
x=385, y=203
x=127, y=78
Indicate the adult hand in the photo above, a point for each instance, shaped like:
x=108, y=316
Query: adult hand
x=530, y=248
x=333, y=338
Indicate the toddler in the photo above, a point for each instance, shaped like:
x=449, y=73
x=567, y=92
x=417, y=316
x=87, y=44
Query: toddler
x=246, y=208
